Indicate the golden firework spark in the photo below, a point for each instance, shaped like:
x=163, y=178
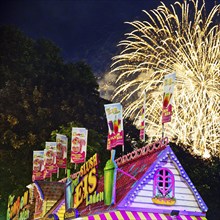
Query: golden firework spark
x=178, y=38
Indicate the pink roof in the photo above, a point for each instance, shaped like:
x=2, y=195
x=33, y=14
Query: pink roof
x=135, y=166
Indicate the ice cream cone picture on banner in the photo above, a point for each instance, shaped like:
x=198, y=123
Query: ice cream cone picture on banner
x=115, y=125
x=169, y=81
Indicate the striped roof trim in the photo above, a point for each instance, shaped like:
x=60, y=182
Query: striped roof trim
x=120, y=215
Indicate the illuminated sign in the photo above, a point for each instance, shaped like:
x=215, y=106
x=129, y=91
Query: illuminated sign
x=87, y=183
x=71, y=213
x=96, y=197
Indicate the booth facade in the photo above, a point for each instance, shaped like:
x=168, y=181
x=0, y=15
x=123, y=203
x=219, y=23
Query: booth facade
x=149, y=183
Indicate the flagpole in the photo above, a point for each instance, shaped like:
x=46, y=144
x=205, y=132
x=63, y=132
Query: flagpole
x=58, y=172
x=163, y=130
x=144, y=113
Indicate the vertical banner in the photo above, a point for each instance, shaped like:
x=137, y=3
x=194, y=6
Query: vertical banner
x=50, y=157
x=115, y=125
x=62, y=143
x=169, y=81
x=78, y=145
x=38, y=166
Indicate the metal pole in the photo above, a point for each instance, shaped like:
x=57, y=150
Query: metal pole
x=144, y=113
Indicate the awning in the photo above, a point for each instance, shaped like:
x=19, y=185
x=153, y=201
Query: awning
x=127, y=215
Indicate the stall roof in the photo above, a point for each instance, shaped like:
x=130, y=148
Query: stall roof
x=132, y=169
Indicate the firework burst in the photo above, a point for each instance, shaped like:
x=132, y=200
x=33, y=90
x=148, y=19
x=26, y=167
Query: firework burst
x=179, y=38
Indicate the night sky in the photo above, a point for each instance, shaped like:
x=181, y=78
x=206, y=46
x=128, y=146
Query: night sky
x=86, y=30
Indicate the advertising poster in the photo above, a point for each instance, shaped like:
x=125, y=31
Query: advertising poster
x=169, y=81
x=62, y=143
x=78, y=145
x=115, y=125
x=50, y=157
x=38, y=166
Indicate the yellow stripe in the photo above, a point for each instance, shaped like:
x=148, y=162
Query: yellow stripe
x=193, y=217
x=118, y=214
x=141, y=215
x=162, y=216
x=204, y=218
x=130, y=215
x=152, y=216
x=183, y=217
x=108, y=216
x=97, y=217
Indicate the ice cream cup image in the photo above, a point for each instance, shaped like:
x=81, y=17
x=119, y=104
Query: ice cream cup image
x=166, y=99
x=119, y=124
x=110, y=170
x=110, y=123
x=115, y=126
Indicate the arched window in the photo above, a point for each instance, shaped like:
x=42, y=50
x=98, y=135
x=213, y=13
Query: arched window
x=163, y=183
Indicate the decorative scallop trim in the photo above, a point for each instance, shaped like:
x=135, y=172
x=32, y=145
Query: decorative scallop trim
x=148, y=149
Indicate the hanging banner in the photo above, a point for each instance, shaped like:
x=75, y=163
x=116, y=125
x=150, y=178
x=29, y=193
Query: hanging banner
x=115, y=125
x=78, y=145
x=50, y=157
x=142, y=119
x=62, y=143
x=38, y=172
x=169, y=81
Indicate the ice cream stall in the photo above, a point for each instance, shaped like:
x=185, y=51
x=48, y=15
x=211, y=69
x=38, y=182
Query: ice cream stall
x=148, y=183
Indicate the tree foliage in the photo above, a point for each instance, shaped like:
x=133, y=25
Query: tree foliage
x=38, y=93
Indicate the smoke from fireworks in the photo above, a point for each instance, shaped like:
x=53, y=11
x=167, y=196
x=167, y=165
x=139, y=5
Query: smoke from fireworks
x=184, y=39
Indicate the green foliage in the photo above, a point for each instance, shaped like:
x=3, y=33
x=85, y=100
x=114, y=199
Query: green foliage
x=38, y=93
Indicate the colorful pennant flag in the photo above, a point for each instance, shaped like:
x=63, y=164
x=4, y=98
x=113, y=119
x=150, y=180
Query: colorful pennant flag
x=38, y=166
x=115, y=125
x=61, y=154
x=169, y=81
x=78, y=145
